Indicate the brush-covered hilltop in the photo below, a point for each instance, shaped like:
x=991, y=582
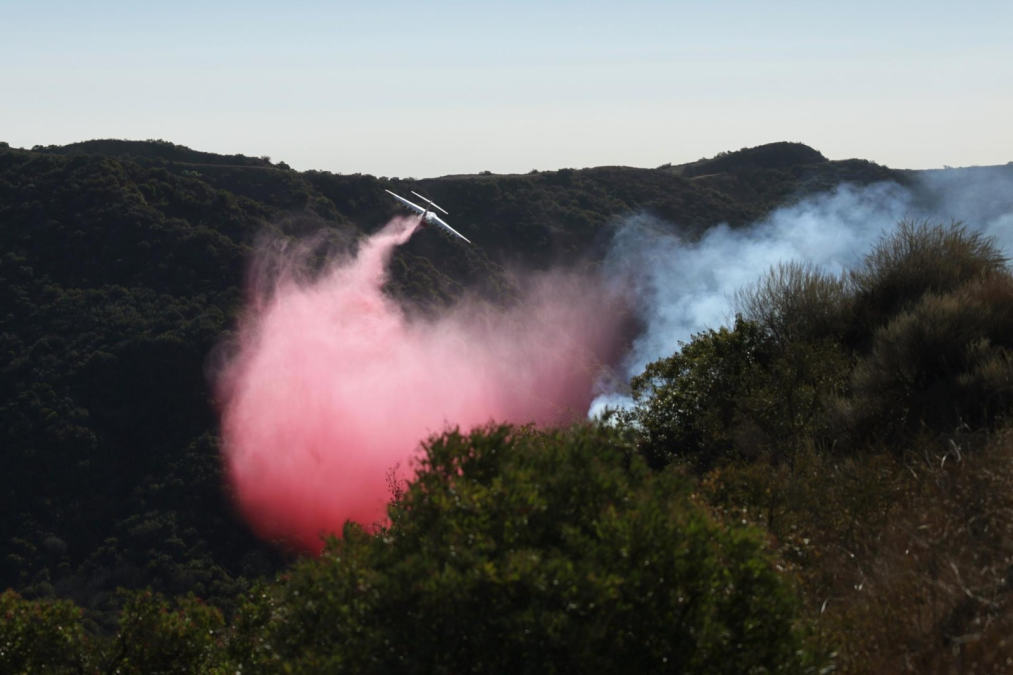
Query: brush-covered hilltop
x=825, y=481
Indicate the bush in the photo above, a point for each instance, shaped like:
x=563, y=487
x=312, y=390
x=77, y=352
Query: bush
x=945, y=362
x=162, y=636
x=920, y=258
x=523, y=552
x=687, y=405
x=41, y=636
x=797, y=302
x=734, y=394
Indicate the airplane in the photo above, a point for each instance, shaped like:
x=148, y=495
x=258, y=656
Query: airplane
x=428, y=215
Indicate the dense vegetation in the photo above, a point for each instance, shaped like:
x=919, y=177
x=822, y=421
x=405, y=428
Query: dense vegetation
x=863, y=422
x=511, y=551
x=827, y=482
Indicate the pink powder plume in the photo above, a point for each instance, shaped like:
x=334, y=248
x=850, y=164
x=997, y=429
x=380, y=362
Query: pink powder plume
x=333, y=384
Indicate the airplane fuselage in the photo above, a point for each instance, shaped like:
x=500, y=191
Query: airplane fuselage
x=426, y=215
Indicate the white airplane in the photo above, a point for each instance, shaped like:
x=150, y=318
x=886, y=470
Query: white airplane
x=428, y=216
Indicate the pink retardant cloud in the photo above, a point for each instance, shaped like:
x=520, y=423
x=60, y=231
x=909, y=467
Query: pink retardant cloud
x=333, y=384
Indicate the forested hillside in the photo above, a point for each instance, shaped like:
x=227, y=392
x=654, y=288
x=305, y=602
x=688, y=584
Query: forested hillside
x=828, y=479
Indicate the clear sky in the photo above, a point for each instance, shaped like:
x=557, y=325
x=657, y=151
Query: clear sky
x=432, y=88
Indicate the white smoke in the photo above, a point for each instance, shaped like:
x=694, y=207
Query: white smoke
x=685, y=286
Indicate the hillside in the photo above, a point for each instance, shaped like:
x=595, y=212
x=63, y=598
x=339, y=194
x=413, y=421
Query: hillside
x=122, y=269
x=122, y=264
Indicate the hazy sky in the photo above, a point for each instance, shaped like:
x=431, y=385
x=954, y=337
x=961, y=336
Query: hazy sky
x=432, y=88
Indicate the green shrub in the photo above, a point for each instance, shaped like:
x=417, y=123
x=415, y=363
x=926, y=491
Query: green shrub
x=157, y=635
x=732, y=394
x=797, y=302
x=523, y=552
x=943, y=363
x=919, y=258
x=41, y=636
x=687, y=405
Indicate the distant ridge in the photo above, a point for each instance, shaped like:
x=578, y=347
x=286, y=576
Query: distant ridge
x=151, y=149
x=781, y=155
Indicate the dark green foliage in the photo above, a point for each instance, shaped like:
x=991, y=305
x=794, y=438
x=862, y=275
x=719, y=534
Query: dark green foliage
x=41, y=637
x=789, y=398
x=945, y=362
x=795, y=302
x=919, y=258
x=151, y=149
x=861, y=421
x=770, y=176
x=511, y=551
x=937, y=302
x=156, y=635
x=110, y=300
x=688, y=405
x=734, y=394
x=523, y=552
x=770, y=156
x=932, y=315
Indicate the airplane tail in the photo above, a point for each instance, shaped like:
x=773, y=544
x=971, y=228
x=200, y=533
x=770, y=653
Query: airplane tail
x=431, y=202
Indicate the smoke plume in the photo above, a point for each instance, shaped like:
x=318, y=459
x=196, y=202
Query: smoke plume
x=685, y=286
x=333, y=385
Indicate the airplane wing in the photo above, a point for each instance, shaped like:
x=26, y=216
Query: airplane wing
x=436, y=219
x=413, y=206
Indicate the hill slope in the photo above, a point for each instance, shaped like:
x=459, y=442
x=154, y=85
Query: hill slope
x=121, y=268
